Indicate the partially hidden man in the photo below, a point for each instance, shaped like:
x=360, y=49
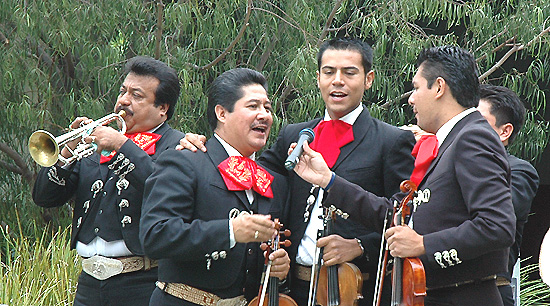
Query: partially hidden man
x=463, y=220
x=108, y=189
x=205, y=213
x=505, y=113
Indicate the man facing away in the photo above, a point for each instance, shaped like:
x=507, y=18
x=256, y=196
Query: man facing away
x=463, y=220
x=108, y=190
x=366, y=151
x=505, y=113
x=204, y=214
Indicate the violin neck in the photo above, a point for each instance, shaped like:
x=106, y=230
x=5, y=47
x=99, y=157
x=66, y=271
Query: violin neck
x=273, y=289
x=333, y=294
x=397, y=282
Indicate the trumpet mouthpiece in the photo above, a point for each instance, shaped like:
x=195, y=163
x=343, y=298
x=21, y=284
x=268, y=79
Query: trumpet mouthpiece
x=122, y=113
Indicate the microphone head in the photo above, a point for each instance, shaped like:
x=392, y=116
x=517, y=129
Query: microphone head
x=289, y=165
x=309, y=132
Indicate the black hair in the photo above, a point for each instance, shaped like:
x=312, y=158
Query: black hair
x=457, y=67
x=346, y=43
x=505, y=105
x=168, y=89
x=227, y=89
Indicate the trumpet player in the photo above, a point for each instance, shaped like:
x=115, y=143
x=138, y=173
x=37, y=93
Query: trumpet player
x=108, y=187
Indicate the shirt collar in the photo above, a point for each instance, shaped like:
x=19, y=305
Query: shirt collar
x=230, y=150
x=446, y=128
x=156, y=128
x=350, y=118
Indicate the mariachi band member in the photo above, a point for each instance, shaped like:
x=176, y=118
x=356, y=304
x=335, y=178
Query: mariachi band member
x=108, y=190
x=204, y=214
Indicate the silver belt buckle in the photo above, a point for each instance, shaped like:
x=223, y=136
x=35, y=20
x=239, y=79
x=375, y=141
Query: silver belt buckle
x=101, y=267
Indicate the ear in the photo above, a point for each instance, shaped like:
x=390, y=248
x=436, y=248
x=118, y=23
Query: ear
x=220, y=113
x=318, y=80
x=163, y=109
x=369, y=79
x=505, y=131
x=440, y=87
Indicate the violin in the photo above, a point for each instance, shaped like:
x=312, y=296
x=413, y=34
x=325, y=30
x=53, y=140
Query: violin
x=408, y=274
x=269, y=289
x=338, y=284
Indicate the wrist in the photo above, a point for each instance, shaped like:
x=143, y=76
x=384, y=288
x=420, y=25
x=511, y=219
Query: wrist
x=329, y=181
x=360, y=246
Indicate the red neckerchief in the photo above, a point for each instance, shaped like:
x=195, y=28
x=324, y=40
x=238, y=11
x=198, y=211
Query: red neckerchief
x=242, y=173
x=145, y=140
x=330, y=136
x=425, y=150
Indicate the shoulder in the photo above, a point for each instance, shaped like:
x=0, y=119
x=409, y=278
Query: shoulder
x=294, y=129
x=521, y=167
x=173, y=134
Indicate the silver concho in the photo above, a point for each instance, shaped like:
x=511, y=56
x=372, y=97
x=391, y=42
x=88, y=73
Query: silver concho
x=121, y=184
x=123, y=204
x=97, y=186
x=126, y=220
x=86, y=206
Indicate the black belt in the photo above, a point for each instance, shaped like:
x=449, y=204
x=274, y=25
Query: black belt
x=467, y=282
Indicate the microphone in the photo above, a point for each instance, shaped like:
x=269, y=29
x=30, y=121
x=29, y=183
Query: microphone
x=292, y=159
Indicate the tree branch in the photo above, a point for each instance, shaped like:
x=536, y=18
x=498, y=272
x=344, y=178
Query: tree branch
x=233, y=43
x=515, y=48
x=21, y=166
x=284, y=20
x=329, y=22
x=493, y=37
x=3, y=39
x=158, y=32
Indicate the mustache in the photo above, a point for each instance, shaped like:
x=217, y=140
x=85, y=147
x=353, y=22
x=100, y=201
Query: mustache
x=126, y=109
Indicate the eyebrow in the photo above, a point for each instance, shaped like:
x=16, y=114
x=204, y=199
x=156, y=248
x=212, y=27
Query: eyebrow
x=133, y=88
x=344, y=68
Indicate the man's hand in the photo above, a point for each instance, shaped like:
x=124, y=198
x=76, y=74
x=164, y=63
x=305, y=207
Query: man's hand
x=280, y=264
x=107, y=138
x=253, y=228
x=404, y=242
x=192, y=142
x=78, y=122
x=338, y=250
x=312, y=166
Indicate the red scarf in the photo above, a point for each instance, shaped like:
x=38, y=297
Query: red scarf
x=242, y=173
x=145, y=140
x=425, y=150
x=330, y=136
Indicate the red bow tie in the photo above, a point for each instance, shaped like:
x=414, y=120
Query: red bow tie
x=242, y=173
x=145, y=140
x=425, y=150
x=331, y=135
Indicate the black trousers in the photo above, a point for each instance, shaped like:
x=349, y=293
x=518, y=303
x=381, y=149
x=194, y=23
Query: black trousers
x=482, y=293
x=132, y=289
x=507, y=294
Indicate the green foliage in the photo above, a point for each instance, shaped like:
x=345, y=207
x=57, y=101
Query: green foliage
x=533, y=291
x=37, y=271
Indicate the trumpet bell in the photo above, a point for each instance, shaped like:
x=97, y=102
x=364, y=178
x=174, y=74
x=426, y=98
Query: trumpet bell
x=43, y=148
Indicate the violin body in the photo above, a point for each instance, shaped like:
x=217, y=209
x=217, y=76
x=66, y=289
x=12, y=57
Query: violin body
x=414, y=286
x=269, y=290
x=350, y=285
x=283, y=300
x=408, y=274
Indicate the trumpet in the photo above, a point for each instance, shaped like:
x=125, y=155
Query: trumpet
x=45, y=148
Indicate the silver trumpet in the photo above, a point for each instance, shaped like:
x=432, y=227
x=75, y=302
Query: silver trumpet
x=45, y=148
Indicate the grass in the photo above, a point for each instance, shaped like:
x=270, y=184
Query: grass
x=39, y=270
